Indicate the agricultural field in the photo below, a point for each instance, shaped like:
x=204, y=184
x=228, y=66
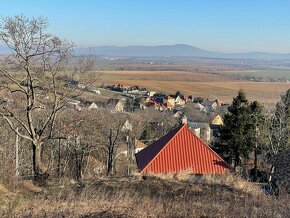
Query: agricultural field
x=206, y=85
x=267, y=74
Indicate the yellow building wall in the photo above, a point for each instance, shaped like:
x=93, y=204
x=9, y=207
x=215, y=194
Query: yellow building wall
x=218, y=120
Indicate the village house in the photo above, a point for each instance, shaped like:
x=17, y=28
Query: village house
x=190, y=98
x=179, y=101
x=199, y=107
x=96, y=91
x=74, y=104
x=93, y=106
x=77, y=107
x=127, y=126
x=160, y=107
x=159, y=95
x=119, y=87
x=149, y=100
x=180, y=151
x=170, y=100
x=139, y=146
x=142, y=106
x=151, y=93
x=219, y=102
x=202, y=130
x=217, y=120
x=178, y=114
x=82, y=86
x=116, y=105
x=159, y=100
x=210, y=105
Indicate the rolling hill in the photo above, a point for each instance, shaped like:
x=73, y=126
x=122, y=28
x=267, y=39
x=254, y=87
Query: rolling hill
x=179, y=50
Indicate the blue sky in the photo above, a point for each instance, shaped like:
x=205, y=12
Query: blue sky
x=219, y=25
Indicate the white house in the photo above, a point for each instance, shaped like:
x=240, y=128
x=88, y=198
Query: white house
x=127, y=126
x=93, y=106
x=96, y=91
x=199, y=107
x=179, y=101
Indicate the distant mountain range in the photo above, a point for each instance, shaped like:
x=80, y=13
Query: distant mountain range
x=179, y=50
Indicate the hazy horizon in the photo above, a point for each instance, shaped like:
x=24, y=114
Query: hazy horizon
x=137, y=45
x=220, y=26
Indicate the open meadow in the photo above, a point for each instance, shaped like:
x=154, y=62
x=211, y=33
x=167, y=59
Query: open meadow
x=197, y=84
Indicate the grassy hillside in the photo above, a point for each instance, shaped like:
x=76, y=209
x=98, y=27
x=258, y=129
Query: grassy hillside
x=174, y=196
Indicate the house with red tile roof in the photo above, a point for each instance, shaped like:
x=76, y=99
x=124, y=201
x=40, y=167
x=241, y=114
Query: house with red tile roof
x=180, y=151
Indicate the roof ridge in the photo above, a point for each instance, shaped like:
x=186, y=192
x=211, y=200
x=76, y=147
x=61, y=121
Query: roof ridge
x=163, y=147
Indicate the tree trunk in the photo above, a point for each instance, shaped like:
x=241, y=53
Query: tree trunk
x=256, y=163
x=110, y=164
x=59, y=160
x=236, y=161
x=40, y=172
x=245, y=168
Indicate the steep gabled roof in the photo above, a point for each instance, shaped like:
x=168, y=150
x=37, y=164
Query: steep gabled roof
x=198, y=106
x=112, y=102
x=219, y=102
x=147, y=154
x=180, y=150
x=208, y=103
x=217, y=120
x=169, y=97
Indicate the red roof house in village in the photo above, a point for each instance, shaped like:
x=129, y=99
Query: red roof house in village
x=180, y=150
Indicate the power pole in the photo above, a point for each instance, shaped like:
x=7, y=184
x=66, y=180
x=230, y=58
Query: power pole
x=17, y=154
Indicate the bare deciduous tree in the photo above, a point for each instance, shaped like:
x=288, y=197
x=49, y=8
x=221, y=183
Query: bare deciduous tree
x=112, y=136
x=156, y=124
x=278, y=129
x=29, y=75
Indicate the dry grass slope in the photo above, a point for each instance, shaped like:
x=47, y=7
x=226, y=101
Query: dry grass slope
x=170, y=196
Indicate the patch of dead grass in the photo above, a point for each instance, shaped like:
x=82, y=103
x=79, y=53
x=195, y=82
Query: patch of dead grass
x=169, y=196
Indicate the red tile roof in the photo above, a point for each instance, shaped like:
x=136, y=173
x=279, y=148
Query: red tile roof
x=180, y=150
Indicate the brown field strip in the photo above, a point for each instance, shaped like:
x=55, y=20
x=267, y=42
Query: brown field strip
x=164, y=76
x=197, y=84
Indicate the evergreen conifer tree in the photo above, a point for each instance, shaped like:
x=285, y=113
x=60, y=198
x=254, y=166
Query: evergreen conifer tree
x=234, y=137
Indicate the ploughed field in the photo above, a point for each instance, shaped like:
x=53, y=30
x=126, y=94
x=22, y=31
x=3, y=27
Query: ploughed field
x=207, y=85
